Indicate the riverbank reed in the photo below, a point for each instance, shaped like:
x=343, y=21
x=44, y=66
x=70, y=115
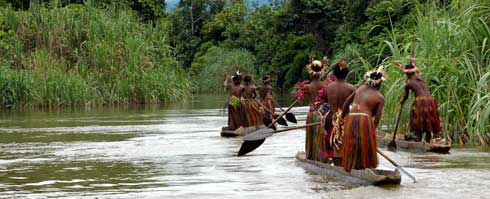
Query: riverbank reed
x=82, y=55
x=453, y=53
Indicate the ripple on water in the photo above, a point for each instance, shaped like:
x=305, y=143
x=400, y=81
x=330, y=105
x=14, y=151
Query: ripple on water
x=178, y=153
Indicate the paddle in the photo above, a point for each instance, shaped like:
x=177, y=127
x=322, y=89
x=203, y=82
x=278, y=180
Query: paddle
x=249, y=146
x=267, y=121
x=289, y=116
x=392, y=144
x=266, y=132
x=396, y=165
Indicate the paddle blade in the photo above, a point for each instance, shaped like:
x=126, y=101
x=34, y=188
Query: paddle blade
x=290, y=117
x=392, y=146
x=266, y=121
x=259, y=134
x=249, y=146
x=281, y=120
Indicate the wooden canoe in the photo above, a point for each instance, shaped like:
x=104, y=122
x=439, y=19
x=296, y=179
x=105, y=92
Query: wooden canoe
x=363, y=177
x=226, y=132
x=412, y=146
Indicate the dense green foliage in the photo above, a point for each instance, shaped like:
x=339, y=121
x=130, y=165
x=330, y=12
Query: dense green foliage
x=135, y=51
x=454, y=55
x=82, y=54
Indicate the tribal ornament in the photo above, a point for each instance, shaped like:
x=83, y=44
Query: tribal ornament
x=375, y=77
x=411, y=67
x=317, y=68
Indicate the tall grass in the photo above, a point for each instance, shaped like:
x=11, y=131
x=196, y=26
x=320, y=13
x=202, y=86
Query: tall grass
x=454, y=55
x=81, y=54
x=217, y=62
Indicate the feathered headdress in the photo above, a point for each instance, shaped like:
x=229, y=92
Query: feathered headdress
x=411, y=67
x=341, y=64
x=317, y=68
x=375, y=77
x=237, y=75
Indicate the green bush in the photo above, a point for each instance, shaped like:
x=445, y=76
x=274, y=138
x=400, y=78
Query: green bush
x=217, y=62
x=82, y=54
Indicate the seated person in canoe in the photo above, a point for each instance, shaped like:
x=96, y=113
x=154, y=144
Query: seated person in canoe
x=424, y=116
x=359, y=140
x=315, y=139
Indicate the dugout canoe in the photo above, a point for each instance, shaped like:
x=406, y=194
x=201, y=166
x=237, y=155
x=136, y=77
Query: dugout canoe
x=226, y=132
x=439, y=146
x=363, y=177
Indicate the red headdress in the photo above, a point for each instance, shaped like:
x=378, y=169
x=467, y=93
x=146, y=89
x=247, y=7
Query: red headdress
x=406, y=70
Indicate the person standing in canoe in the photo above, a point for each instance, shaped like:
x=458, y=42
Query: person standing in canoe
x=315, y=139
x=252, y=107
x=424, y=116
x=236, y=113
x=265, y=97
x=359, y=139
x=335, y=95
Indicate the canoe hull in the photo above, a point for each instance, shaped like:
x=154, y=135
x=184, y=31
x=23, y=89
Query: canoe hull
x=226, y=132
x=363, y=177
x=411, y=146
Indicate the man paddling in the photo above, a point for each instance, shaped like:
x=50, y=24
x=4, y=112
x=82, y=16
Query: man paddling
x=359, y=140
x=252, y=107
x=335, y=95
x=315, y=141
x=265, y=97
x=236, y=113
x=424, y=116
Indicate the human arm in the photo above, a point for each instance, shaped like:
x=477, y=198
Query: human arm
x=379, y=110
x=227, y=82
x=348, y=101
x=405, y=93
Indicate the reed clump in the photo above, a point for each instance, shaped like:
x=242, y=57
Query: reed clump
x=453, y=52
x=83, y=54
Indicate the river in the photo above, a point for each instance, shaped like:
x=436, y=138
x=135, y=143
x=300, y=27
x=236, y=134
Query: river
x=175, y=151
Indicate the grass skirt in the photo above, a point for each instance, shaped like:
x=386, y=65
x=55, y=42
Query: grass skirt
x=359, y=142
x=424, y=116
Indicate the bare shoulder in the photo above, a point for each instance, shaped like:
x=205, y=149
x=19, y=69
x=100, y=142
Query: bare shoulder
x=381, y=98
x=351, y=87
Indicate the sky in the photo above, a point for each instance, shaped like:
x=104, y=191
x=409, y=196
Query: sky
x=172, y=3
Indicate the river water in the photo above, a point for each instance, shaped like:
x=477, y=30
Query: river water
x=176, y=151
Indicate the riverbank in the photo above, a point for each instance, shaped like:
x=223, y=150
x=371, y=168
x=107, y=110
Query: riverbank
x=85, y=55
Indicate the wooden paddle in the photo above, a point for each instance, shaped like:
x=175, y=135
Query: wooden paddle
x=267, y=121
x=249, y=146
x=392, y=144
x=289, y=116
x=266, y=132
x=396, y=165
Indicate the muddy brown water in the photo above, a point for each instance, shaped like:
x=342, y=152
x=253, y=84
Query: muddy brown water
x=175, y=151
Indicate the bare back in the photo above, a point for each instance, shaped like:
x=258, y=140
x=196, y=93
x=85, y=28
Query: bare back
x=418, y=86
x=237, y=90
x=312, y=90
x=249, y=91
x=264, y=91
x=366, y=100
x=337, y=93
